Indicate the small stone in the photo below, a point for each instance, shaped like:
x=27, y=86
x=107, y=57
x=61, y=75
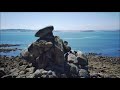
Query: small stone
x=72, y=51
x=67, y=49
x=50, y=76
x=30, y=65
x=30, y=76
x=50, y=72
x=38, y=73
x=82, y=61
x=54, y=74
x=14, y=70
x=21, y=76
x=21, y=72
x=30, y=70
x=22, y=68
x=73, y=68
x=2, y=69
x=72, y=58
x=79, y=54
x=83, y=73
x=21, y=63
x=65, y=43
x=44, y=76
x=7, y=76
x=44, y=72
x=14, y=74
x=24, y=63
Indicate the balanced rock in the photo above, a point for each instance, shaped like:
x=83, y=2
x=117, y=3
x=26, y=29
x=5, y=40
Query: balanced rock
x=52, y=57
x=47, y=49
x=44, y=31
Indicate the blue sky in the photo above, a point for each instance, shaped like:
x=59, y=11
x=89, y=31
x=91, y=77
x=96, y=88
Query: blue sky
x=60, y=20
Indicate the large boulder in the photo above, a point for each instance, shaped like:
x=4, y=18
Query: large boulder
x=44, y=52
x=38, y=48
x=71, y=58
x=73, y=68
x=30, y=70
x=82, y=60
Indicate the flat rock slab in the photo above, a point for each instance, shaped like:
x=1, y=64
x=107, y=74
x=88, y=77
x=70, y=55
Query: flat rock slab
x=44, y=31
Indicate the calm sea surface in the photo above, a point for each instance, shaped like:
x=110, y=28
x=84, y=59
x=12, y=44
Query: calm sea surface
x=105, y=42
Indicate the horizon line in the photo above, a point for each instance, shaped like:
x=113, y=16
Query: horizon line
x=61, y=30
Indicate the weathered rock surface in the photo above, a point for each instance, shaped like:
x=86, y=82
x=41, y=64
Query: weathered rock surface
x=43, y=32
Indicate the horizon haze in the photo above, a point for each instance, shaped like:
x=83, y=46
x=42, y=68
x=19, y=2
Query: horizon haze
x=62, y=21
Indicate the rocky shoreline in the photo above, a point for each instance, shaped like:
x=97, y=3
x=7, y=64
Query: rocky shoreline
x=98, y=67
x=4, y=48
x=9, y=45
x=51, y=57
x=103, y=66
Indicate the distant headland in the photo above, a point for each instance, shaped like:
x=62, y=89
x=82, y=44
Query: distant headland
x=32, y=30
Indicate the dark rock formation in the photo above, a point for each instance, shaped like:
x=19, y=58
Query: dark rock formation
x=49, y=57
x=47, y=49
x=48, y=52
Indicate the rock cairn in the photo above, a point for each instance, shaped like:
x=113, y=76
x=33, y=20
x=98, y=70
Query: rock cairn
x=51, y=57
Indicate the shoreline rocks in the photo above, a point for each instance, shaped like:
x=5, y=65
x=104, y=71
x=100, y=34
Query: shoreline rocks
x=6, y=50
x=51, y=57
x=98, y=67
x=103, y=66
x=50, y=52
x=9, y=45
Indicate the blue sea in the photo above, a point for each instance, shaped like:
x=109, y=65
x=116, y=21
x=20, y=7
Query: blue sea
x=105, y=42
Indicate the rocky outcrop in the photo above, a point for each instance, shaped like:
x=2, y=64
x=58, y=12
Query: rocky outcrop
x=50, y=57
x=50, y=52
